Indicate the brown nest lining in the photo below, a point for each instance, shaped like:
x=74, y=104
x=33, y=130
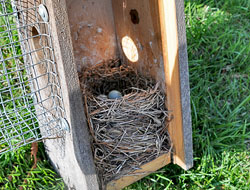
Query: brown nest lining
x=127, y=132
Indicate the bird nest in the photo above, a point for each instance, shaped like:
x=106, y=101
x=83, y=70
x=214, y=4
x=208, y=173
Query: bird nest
x=126, y=132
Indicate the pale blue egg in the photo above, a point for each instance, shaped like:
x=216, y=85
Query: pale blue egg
x=114, y=94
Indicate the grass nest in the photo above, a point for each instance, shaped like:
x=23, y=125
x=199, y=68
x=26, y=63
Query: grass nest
x=126, y=132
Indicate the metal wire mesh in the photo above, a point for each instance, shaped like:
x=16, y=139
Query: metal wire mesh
x=31, y=106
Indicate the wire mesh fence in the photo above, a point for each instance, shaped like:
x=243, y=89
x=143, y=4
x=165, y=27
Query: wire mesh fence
x=31, y=105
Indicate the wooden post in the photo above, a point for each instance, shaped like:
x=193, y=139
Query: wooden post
x=174, y=46
x=71, y=155
x=73, y=159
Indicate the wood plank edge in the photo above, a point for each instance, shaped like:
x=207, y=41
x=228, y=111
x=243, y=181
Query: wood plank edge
x=145, y=170
x=169, y=34
x=184, y=85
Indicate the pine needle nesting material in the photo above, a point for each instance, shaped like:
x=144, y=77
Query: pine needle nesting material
x=127, y=132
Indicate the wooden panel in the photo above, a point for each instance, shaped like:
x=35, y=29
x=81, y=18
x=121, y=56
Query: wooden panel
x=92, y=30
x=146, y=34
x=172, y=56
x=155, y=34
x=71, y=156
x=138, y=174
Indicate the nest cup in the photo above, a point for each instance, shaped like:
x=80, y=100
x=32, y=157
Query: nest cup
x=126, y=132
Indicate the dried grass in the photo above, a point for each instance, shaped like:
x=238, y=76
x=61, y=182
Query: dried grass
x=126, y=132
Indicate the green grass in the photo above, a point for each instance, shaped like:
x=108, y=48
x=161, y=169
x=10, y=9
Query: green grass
x=218, y=34
x=16, y=166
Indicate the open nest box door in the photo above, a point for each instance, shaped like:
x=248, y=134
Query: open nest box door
x=148, y=35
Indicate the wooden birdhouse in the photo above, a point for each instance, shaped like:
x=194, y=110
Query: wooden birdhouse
x=147, y=35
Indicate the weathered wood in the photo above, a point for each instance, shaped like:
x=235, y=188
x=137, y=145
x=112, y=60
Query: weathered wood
x=84, y=32
x=73, y=157
x=146, y=35
x=184, y=84
x=92, y=30
x=175, y=58
x=138, y=174
x=36, y=48
x=70, y=155
x=161, y=44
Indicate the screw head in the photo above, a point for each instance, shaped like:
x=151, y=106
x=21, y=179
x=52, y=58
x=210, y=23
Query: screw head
x=43, y=12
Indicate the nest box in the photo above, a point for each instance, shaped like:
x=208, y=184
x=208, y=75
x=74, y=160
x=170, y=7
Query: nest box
x=147, y=34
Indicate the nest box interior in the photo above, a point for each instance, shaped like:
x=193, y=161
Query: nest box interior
x=150, y=36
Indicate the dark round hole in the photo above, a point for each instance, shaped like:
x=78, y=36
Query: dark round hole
x=134, y=16
x=18, y=15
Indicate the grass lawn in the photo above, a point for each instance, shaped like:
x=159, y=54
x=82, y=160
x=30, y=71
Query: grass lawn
x=218, y=34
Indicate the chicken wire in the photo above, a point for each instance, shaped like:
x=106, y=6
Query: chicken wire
x=31, y=105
